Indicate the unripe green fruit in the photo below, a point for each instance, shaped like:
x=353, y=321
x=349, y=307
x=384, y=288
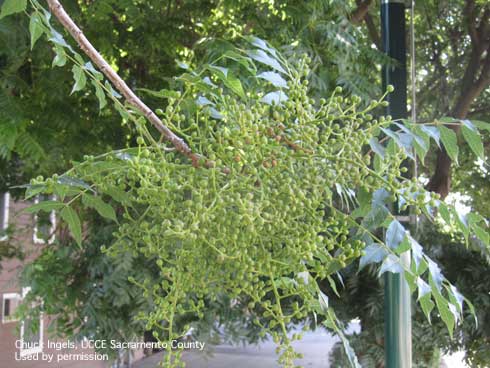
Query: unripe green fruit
x=264, y=215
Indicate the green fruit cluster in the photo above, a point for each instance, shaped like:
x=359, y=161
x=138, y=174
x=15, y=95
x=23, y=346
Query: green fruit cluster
x=266, y=222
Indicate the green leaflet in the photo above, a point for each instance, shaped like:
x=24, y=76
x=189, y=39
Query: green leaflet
x=275, y=78
x=395, y=234
x=243, y=60
x=104, y=209
x=373, y=253
x=163, y=93
x=482, y=234
x=472, y=137
x=235, y=85
x=118, y=195
x=70, y=216
x=427, y=305
x=60, y=57
x=391, y=264
x=333, y=285
x=331, y=322
x=99, y=92
x=35, y=28
x=450, y=142
x=228, y=79
x=443, y=308
x=12, y=6
x=482, y=125
x=423, y=288
x=262, y=57
x=79, y=77
x=45, y=206
x=33, y=190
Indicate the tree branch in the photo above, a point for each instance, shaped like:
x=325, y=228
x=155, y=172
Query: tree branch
x=470, y=13
x=474, y=82
x=131, y=98
x=357, y=16
x=361, y=13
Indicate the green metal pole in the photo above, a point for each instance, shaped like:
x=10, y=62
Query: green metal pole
x=398, y=329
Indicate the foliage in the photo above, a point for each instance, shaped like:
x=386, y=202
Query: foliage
x=36, y=100
x=90, y=287
x=62, y=127
x=272, y=216
x=145, y=55
x=362, y=298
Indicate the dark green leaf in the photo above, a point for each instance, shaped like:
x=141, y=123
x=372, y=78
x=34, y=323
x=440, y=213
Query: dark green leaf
x=481, y=234
x=364, y=199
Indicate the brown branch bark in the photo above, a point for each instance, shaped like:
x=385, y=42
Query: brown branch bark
x=131, y=98
x=357, y=16
x=361, y=13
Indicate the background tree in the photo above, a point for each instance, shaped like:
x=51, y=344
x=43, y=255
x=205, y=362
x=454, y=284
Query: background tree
x=341, y=53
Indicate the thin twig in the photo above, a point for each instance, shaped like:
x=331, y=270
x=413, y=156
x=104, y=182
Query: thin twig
x=131, y=98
